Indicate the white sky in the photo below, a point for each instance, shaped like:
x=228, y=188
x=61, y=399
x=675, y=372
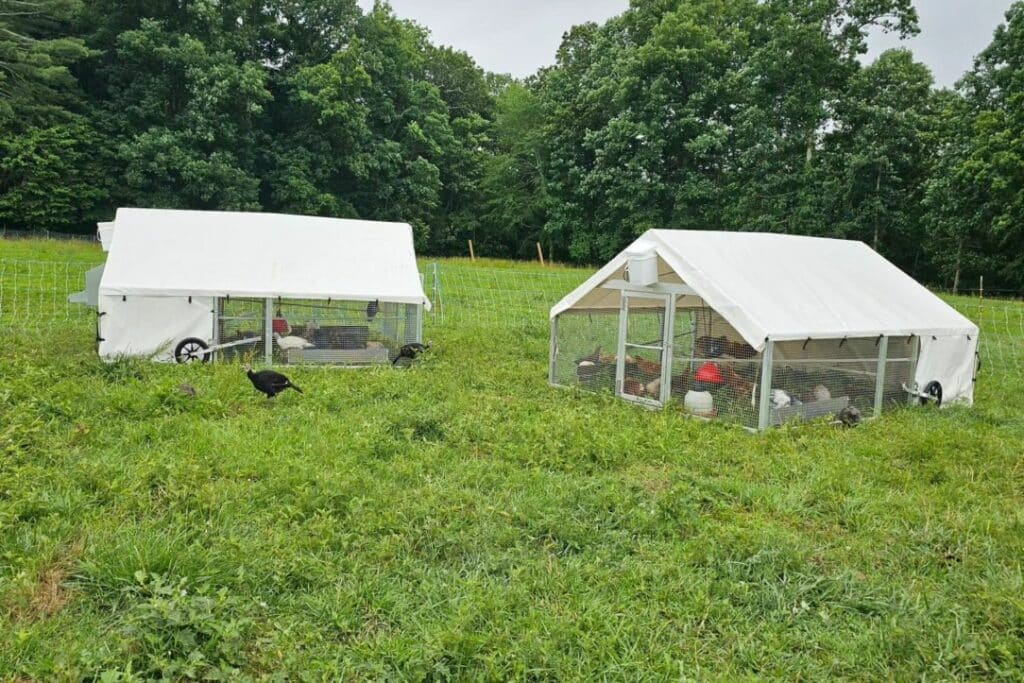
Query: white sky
x=952, y=33
x=520, y=36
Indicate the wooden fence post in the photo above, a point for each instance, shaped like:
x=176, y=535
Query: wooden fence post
x=540, y=253
x=472, y=256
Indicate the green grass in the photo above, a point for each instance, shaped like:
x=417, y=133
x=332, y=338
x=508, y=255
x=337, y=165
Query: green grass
x=463, y=520
x=44, y=250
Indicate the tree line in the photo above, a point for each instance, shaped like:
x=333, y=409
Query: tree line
x=699, y=114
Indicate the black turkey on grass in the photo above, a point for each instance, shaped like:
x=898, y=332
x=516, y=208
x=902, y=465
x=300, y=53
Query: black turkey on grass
x=269, y=382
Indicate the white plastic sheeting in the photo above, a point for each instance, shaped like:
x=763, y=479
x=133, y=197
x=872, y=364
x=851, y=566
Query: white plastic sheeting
x=105, y=231
x=951, y=361
x=787, y=288
x=162, y=253
x=151, y=327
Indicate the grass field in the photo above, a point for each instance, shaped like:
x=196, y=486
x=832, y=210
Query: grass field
x=462, y=520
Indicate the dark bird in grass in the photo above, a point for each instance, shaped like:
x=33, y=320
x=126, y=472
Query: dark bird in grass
x=269, y=382
x=188, y=390
x=410, y=351
x=372, y=309
x=850, y=416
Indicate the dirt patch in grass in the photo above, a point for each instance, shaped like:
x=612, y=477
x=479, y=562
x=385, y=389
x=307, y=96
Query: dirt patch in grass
x=49, y=593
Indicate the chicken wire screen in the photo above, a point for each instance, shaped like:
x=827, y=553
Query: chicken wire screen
x=240, y=324
x=584, y=353
x=859, y=377
x=346, y=333
x=710, y=376
x=715, y=374
x=714, y=371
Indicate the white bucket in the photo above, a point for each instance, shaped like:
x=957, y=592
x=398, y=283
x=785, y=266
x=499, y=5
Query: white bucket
x=642, y=267
x=700, y=403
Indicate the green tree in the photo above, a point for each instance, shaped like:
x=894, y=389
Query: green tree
x=514, y=185
x=700, y=114
x=48, y=150
x=181, y=107
x=877, y=158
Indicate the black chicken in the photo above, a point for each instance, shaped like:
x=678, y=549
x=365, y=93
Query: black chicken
x=269, y=382
x=410, y=351
x=372, y=309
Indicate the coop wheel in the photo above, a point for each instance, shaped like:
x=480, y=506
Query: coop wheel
x=932, y=394
x=192, y=350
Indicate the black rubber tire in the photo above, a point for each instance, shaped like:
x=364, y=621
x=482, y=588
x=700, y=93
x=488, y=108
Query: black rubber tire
x=191, y=350
x=934, y=391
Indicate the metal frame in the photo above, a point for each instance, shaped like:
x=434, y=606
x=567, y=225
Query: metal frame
x=215, y=335
x=553, y=353
x=915, y=351
x=657, y=288
x=668, y=350
x=883, y=359
x=668, y=311
x=668, y=296
x=767, y=367
x=268, y=333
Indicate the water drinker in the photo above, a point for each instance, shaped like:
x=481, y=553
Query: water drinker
x=642, y=265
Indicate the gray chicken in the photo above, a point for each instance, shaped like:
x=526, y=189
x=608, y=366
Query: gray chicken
x=850, y=416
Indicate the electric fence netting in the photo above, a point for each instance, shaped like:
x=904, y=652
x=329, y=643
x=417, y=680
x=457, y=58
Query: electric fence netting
x=35, y=295
x=466, y=294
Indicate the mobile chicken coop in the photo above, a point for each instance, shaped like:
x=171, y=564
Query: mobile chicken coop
x=761, y=329
x=190, y=286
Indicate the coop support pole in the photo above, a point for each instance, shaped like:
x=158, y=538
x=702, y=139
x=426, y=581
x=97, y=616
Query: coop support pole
x=669, y=341
x=215, y=336
x=915, y=350
x=553, y=355
x=419, y=324
x=767, y=361
x=620, y=357
x=883, y=355
x=268, y=332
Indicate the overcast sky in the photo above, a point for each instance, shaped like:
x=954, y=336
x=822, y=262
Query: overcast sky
x=520, y=36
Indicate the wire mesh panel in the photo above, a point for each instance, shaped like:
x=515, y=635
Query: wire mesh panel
x=715, y=373
x=348, y=333
x=241, y=330
x=585, y=350
x=713, y=377
x=848, y=378
x=644, y=348
x=901, y=353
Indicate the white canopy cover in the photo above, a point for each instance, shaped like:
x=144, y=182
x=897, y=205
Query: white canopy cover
x=155, y=253
x=788, y=287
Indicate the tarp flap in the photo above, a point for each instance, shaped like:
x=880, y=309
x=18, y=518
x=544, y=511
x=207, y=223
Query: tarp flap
x=217, y=254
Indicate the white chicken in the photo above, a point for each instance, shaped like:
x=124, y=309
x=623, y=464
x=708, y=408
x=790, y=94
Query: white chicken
x=289, y=343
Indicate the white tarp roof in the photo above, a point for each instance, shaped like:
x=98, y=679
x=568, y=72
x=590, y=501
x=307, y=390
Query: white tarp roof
x=211, y=253
x=788, y=287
